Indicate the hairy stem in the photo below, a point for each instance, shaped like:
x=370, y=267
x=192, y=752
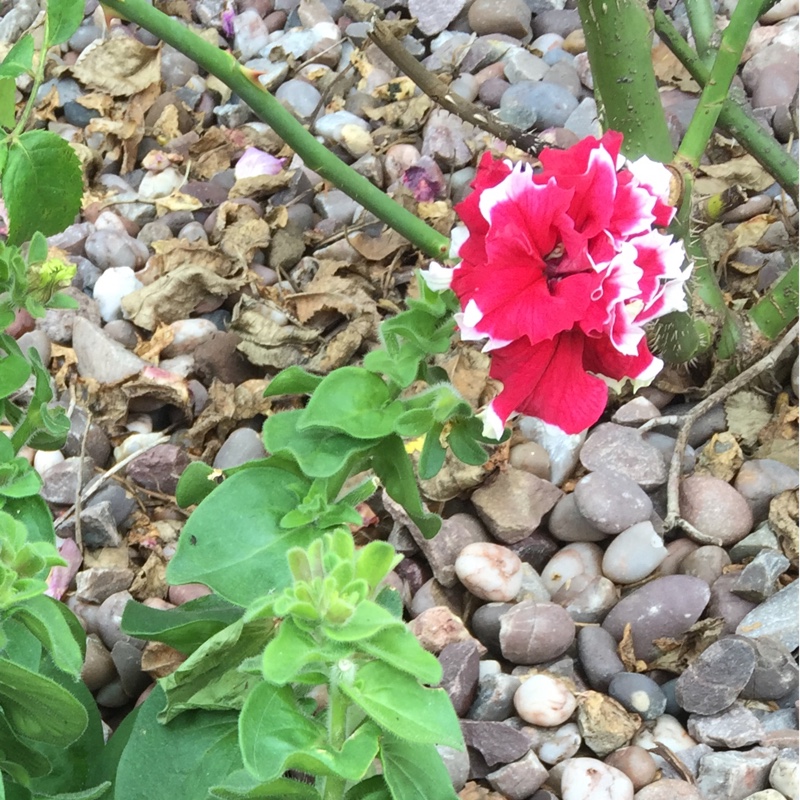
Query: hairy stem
x=315, y=155
x=734, y=39
x=618, y=37
x=701, y=20
x=334, y=785
x=733, y=118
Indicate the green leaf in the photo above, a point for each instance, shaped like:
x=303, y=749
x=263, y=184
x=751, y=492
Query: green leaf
x=320, y=453
x=186, y=627
x=45, y=619
x=292, y=380
x=195, y=484
x=400, y=705
x=42, y=185
x=275, y=735
x=38, y=708
x=184, y=759
x=355, y=401
x=373, y=788
x=242, y=565
x=95, y=793
x=390, y=462
x=287, y=654
x=63, y=19
x=375, y=561
x=415, y=771
x=367, y=619
x=463, y=443
x=431, y=459
x=242, y=786
x=14, y=371
x=28, y=762
x=209, y=678
x=402, y=367
x=399, y=648
x=61, y=300
x=37, y=249
x=35, y=515
x=19, y=59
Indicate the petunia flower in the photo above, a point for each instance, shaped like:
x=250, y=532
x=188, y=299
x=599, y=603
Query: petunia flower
x=560, y=270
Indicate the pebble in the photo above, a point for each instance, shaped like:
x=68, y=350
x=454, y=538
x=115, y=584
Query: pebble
x=521, y=65
x=456, y=763
x=562, y=448
x=160, y=184
x=530, y=457
x=299, y=97
x=639, y=694
x=63, y=481
x=733, y=728
x=634, y=554
x=604, y=723
x=752, y=544
x=95, y=584
x=121, y=502
x=437, y=627
x=664, y=607
x=533, y=633
x=98, y=668
x=98, y=527
x=597, y=652
x=241, y=446
x=585, y=121
x=611, y=501
x=567, y=524
x=100, y=357
x=514, y=503
x=485, y=623
x=669, y=789
x=497, y=742
x=555, y=745
x=716, y=509
x=460, y=673
x=109, y=616
x=58, y=323
x=733, y=775
x=331, y=125
x=759, y=480
x=579, y=558
x=713, y=681
x=544, y=700
x=666, y=446
x=636, y=763
x=159, y=468
x=555, y=20
x=591, y=779
x=489, y=571
x=776, y=616
x=587, y=599
x=495, y=698
x=707, y=563
x=759, y=579
x=110, y=247
x=447, y=139
x=519, y=780
x=109, y=289
x=783, y=776
x=511, y=17
x=434, y=16
x=775, y=672
x=188, y=334
x=623, y=450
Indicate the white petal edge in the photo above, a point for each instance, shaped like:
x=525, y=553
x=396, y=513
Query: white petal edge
x=437, y=276
x=493, y=426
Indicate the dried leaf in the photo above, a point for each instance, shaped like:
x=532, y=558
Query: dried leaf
x=150, y=349
x=211, y=155
x=747, y=413
x=744, y=171
x=677, y=654
x=604, y=724
x=160, y=660
x=377, y=248
x=119, y=65
x=260, y=186
x=669, y=70
x=151, y=579
x=721, y=457
x=783, y=519
x=627, y=653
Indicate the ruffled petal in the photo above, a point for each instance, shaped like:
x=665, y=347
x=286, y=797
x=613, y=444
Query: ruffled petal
x=548, y=381
x=603, y=359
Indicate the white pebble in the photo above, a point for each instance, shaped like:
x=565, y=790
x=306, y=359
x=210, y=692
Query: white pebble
x=160, y=184
x=44, y=459
x=578, y=558
x=187, y=334
x=490, y=571
x=667, y=731
x=114, y=284
x=134, y=443
x=590, y=779
x=634, y=554
x=560, y=744
x=544, y=700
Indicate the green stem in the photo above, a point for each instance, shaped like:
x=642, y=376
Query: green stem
x=334, y=785
x=732, y=118
x=778, y=308
x=315, y=155
x=618, y=38
x=701, y=20
x=715, y=92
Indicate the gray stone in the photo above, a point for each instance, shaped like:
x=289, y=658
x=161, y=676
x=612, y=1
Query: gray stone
x=611, y=501
x=97, y=444
x=100, y=357
x=98, y=668
x=38, y=341
x=620, y=449
x=666, y=446
x=733, y=728
x=98, y=528
x=519, y=780
x=567, y=524
x=121, y=502
x=775, y=673
x=783, y=775
x=520, y=65
x=584, y=121
x=110, y=247
x=664, y=607
x=511, y=17
x=447, y=139
x=706, y=563
x=300, y=97
x=563, y=448
x=485, y=623
x=668, y=789
x=108, y=618
x=597, y=651
x=495, y=699
x=497, y=742
x=639, y=694
x=553, y=20
x=97, y=583
x=58, y=323
x=533, y=633
x=159, y=468
x=513, y=504
x=536, y=550
x=434, y=15
x=587, y=598
x=459, y=662
x=64, y=481
x=550, y=103
x=734, y=775
x=713, y=681
x=241, y=446
x=112, y=695
x=725, y=605
x=563, y=75
x=456, y=763
x=128, y=661
x=516, y=108
x=715, y=508
x=759, y=579
x=776, y=617
x=760, y=479
x=752, y=544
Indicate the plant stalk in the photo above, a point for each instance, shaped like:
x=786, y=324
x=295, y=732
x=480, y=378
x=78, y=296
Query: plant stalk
x=715, y=92
x=733, y=118
x=334, y=785
x=778, y=308
x=701, y=20
x=618, y=40
x=315, y=155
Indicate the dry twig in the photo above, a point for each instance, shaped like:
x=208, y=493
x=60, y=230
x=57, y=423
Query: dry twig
x=684, y=424
x=381, y=34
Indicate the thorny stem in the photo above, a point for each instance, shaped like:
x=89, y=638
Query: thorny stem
x=701, y=20
x=715, y=92
x=685, y=422
x=315, y=155
x=733, y=119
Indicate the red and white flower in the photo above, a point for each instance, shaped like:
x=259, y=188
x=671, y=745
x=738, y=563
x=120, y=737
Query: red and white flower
x=560, y=270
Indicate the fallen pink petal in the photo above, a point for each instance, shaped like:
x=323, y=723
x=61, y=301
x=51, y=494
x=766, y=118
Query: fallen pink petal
x=255, y=162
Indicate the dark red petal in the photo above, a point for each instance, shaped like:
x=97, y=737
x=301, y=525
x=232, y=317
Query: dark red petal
x=602, y=358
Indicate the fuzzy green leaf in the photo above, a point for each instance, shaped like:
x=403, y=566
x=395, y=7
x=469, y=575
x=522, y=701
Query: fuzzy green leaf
x=415, y=771
x=292, y=380
x=63, y=19
x=19, y=59
x=42, y=185
x=399, y=648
